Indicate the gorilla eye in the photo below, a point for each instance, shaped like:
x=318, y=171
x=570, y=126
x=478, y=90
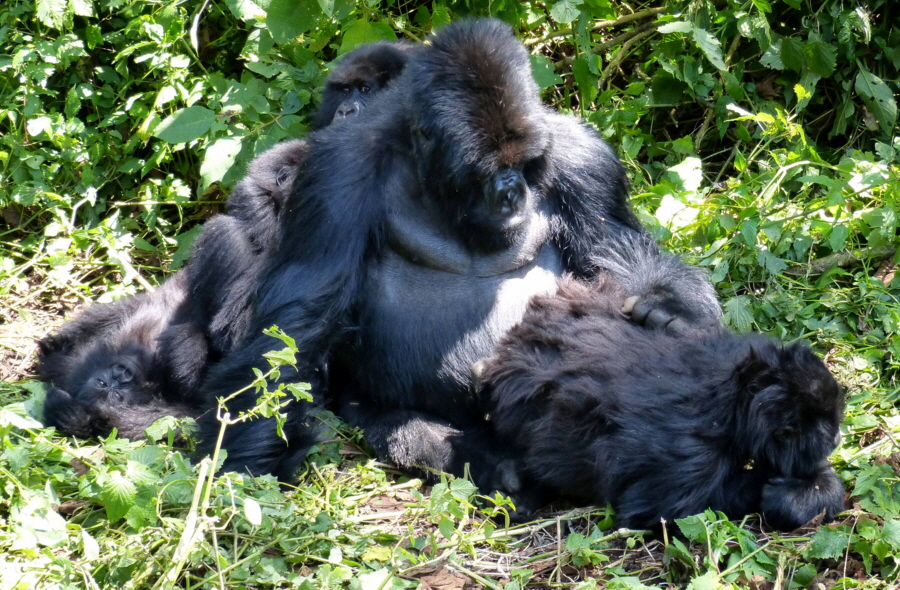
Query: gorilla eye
x=345, y=90
x=365, y=89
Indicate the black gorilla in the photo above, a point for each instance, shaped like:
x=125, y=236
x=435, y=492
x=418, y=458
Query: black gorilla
x=129, y=363
x=414, y=240
x=661, y=426
x=103, y=370
x=232, y=249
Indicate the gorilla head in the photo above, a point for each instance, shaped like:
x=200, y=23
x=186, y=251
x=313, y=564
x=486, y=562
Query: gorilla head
x=360, y=75
x=478, y=124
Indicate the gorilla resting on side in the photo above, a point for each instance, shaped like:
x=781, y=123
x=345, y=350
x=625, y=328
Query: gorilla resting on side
x=414, y=240
x=658, y=425
x=129, y=363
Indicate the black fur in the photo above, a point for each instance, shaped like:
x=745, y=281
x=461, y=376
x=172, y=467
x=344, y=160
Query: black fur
x=104, y=370
x=660, y=426
x=413, y=241
x=170, y=337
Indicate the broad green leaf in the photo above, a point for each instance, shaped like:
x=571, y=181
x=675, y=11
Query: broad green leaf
x=667, y=89
x=828, y=543
x=710, y=46
x=805, y=89
x=543, y=72
x=218, y=159
x=288, y=19
x=565, y=11
x=678, y=26
x=185, y=125
x=51, y=13
x=708, y=581
x=792, y=53
x=878, y=98
x=185, y=242
x=820, y=57
x=838, y=237
x=82, y=7
x=246, y=10
x=586, y=80
x=10, y=418
x=737, y=313
x=118, y=496
x=770, y=262
x=366, y=32
x=688, y=174
x=327, y=7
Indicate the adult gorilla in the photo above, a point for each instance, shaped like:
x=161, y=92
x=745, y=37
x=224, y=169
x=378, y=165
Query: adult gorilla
x=415, y=239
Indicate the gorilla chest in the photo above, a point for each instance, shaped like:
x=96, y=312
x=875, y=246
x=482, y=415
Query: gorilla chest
x=421, y=329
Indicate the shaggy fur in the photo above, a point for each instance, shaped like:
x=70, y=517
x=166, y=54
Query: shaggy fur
x=415, y=238
x=602, y=411
x=129, y=363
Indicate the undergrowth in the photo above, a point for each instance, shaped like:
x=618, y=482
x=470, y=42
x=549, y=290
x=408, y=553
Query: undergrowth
x=762, y=143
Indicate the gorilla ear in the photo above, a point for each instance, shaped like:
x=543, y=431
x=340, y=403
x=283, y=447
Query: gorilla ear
x=754, y=371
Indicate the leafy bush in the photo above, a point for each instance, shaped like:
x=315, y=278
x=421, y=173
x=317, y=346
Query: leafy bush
x=762, y=141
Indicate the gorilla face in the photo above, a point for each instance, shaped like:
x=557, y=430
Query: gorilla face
x=109, y=379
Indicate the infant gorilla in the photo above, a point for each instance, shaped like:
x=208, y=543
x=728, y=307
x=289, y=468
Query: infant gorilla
x=661, y=426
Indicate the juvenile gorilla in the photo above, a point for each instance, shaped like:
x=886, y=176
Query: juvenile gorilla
x=103, y=371
x=416, y=238
x=129, y=363
x=661, y=426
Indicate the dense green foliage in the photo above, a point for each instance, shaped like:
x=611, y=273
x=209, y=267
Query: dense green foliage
x=762, y=141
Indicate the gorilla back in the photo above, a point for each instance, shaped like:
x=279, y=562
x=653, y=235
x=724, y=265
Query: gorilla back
x=603, y=411
x=414, y=240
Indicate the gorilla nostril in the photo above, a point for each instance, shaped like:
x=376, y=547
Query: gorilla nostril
x=346, y=110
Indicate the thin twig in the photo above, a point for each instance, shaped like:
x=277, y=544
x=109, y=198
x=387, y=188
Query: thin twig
x=598, y=49
x=604, y=24
x=839, y=259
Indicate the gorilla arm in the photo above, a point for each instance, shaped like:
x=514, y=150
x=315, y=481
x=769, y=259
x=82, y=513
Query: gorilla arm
x=598, y=230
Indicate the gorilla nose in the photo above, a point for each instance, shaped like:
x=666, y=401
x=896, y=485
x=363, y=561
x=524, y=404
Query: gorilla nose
x=509, y=191
x=346, y=110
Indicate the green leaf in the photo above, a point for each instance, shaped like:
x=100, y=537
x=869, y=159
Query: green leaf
x=820, y=58
x=51, y=13
x=792, y=53
x=252, y=511
x=710, y=46
x=828, y=543
x=82, y=7
x=185, y=242
x=327, y=7
x=678, y=26
x=366, y=32
x=218, y=159
x=693, y=527
x=288, y=19
x=891, y=533
x=543, y=72
x=770, y=262
x=586, y=80
x=687, y=175
x=708, y=581
x=838, y=237
x=878, y=98
x=565, y=11
x=118, y=496
x=185, y=125
x=737, y=313
x=246, y=10
x=667, y=89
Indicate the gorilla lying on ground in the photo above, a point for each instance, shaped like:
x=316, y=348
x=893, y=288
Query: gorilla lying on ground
x=129, y=363
x=416, y=237
x=661, y=426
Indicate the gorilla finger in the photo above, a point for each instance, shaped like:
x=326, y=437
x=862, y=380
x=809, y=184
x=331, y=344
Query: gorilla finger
x=658, y=319
x=677, y=327
x=628, y=305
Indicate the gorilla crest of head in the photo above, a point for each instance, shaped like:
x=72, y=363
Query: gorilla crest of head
x=477, y=121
